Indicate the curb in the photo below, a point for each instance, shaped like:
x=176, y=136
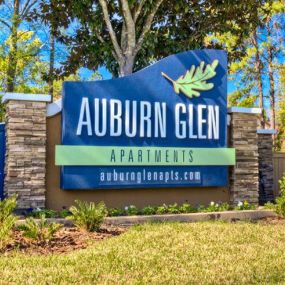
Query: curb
x=188, y=218
x=193, y=217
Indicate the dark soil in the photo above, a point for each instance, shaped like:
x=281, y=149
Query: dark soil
x=65, y=240
x=273, y=220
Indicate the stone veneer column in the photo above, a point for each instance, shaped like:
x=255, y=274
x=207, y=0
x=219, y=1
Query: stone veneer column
x=265, y=151
x=25, y=165
x=244, y=178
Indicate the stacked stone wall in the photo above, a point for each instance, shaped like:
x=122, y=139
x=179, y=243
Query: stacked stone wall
x=26, y=152
x=265, y=146
x=244, y=176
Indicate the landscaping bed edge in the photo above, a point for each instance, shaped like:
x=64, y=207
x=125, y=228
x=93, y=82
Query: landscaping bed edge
x=189, y=217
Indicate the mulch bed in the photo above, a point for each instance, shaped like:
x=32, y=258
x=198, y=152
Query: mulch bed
x=273, y=220
x=65, y=240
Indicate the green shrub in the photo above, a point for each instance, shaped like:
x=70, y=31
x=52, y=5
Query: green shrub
x=115, y=212
x=148, y=210
x=7, y=219
x=64, y=213
x=269, y=206
x=280, y=201
x=131, y=210
x=173, y=209
x=224, y=207
x=41, y=231
x=88, y=216
x=187, y=208
x=37, y=213
x=216, y=207
x=244, y=206
x=162, y=209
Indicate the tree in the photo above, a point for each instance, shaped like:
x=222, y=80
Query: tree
x=127, y=35
x=257, y=67
x=273, y=44
x=29, y=66
x=20, y=11
x=52, y=15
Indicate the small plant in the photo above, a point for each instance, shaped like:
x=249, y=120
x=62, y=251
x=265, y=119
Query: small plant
x=244, y=206
x=41, y=231
x=269, y=206
x=224, y=207
x=173, y=209
x=115, y=212
x=131, y=210
x=162, y=209
x=37, y=213
x=88, y=216
x=7, y=219
x=64, y=213
x=187, y=208
x=216, y=207
x=148, y=210
x=280, y=201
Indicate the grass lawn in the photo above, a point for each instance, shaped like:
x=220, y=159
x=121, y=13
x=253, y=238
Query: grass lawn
x=171, y=253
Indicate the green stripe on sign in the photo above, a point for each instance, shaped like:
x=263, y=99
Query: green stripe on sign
x=142, y=156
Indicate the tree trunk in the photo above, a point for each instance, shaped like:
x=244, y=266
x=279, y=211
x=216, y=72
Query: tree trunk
x=126, y=66
x=271, y=86
x=258, y=69
x=12, y=56
x=51, y=63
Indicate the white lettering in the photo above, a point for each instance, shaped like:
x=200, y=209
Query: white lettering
x=145, y=115
x=180, y=133
x=159, y=119
x=84, y=112
x=115, y=116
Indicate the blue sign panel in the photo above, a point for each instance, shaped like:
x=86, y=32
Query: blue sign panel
x=165, y=125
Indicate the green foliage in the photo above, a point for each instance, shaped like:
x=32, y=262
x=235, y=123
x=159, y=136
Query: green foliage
x=245, y=206
x=131, y=210
x=280, y=201
x=88, y=216
x=115, y=212
x=41, y=230
x=64, y=213
x=195, y=79
x=162, y=209
x=7, y=219
x=269, y=206
x=215, y=207
x=38, y=213
x=173, y=209
x=187, y=208
x=149, y=210
x=243, y=97
x=29, y=65
x=177, y=209
x=167, y=34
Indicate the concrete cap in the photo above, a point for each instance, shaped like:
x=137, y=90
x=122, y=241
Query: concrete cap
x=25, y=97
x=267, y=131
x=54, y=108
x=244, y=110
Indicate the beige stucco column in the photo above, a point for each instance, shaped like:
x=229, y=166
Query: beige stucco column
x=25, y=165
x=244, y=176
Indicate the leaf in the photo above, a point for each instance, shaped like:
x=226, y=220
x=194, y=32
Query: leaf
x=195, y=79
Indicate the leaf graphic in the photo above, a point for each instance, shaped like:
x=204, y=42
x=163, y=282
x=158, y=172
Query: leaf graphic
x=195, y=79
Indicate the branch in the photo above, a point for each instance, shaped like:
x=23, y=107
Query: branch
x=138, y=10
x=27, y=8
x=5, y=23
x=107, y=20
x=147, y=26
x=130, y=26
